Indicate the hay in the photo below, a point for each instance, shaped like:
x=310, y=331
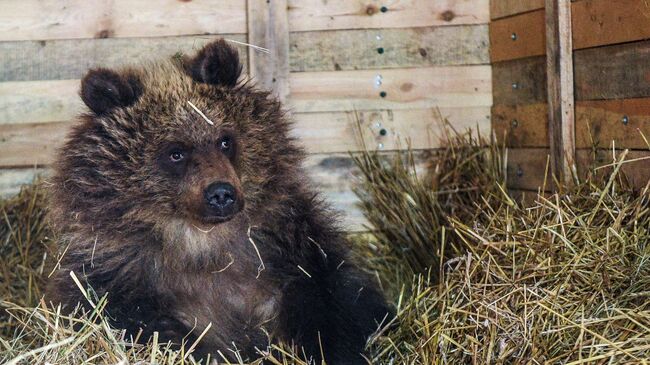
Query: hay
x=477, y=277
x=565, y=280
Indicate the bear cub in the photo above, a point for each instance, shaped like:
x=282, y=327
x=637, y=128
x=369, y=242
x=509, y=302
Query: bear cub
x=181, y=197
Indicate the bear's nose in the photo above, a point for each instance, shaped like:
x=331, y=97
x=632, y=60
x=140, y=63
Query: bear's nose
x=221, y=197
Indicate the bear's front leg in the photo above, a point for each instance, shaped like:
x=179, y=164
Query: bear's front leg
x=333, y=312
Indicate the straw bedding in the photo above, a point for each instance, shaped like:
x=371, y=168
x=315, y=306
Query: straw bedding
x=477, y=277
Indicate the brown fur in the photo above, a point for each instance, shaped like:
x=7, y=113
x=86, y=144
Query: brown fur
x=139, y=231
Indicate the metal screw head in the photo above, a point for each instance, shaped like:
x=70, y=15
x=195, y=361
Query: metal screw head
x=382, y=94
x=380, y=50
x=380, y=146
x=383, y=132
x=515, y=123
x=625, y=120
x=515, y=85
x=513, y=36
x=383, y=9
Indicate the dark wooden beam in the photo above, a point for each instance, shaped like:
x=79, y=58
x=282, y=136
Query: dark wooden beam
x=559, y=68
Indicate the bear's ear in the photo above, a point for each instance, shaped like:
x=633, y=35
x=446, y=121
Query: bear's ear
x=217, y=63
x=103, y=90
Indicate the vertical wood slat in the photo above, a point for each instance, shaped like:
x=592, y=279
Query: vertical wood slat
x=559, y=63
x=268, y=28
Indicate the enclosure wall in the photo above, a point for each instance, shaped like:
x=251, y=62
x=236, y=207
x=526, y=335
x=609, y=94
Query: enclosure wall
x=387, y=65
x=611, y=85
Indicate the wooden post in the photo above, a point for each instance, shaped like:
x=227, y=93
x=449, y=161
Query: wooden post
x=268, y=28
x=561, y=103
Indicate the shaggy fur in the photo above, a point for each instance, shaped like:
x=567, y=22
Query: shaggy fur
x=136, y=226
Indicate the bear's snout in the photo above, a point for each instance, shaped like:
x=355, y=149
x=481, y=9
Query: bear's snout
x=221, y=198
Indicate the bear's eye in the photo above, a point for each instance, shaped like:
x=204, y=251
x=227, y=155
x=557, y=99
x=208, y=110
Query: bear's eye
x=176, y=156
x=225, y=144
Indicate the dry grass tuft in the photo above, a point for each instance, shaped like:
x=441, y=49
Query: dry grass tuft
x=565, y=280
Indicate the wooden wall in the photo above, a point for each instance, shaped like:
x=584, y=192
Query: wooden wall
x=390, y=64
x=611, y=50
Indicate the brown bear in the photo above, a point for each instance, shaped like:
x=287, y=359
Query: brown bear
x=181, y=197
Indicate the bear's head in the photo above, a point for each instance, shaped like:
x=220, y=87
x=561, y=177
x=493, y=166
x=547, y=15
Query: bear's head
x=175, y=146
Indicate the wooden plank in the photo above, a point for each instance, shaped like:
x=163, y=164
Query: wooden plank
x=519, y=82
x=561, y=102
x=518, y=37
x=523, y=125
x=268, y=28
x=11, y=180
x=25, y=145
x=636, y=167
x=72, y=19
x=415, y=88
x=504, y=8
x=598, y=123
x=306, y=15
x=385, y=130
x=34, y=144
x=39, y=101
x=613, y=72
x=526, y=168
x=625, y=122
x=602, y=22
x=51, y=60
x=444, y=87
x=404, y=47
x=309, y=51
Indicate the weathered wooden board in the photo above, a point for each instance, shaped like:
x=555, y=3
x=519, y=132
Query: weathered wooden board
x=387, y=129
x=518, y=36
x=71, y=58
x=414, y=88
x=602, y=22
x=268, y=28
x=305, y=15
x=309, y=51
x=11, y=180
x=599, y=123
x=403, y=47
x=504, y=8
x=32, y=144
x=613, y=72
x=626, y=122
x=519, y=82
x=636, y=168
x=68, y=19
x=527, y=167
x=461, y=86
x=39, y=101
x=523, y=125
